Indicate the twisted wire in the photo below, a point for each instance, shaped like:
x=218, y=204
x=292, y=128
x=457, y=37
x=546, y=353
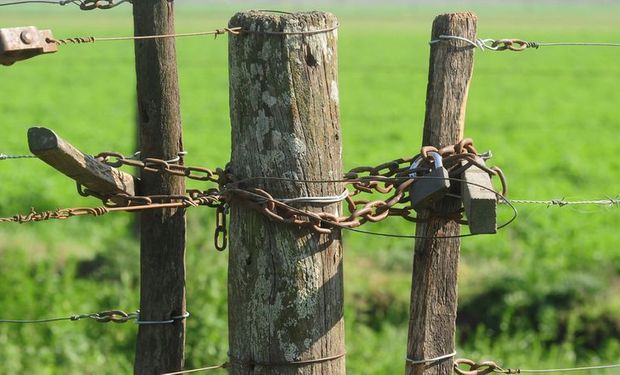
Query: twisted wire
x=10, y=157
x=562, y=202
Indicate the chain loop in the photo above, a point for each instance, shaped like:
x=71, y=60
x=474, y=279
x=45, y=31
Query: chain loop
x=393, y=178
x=480, y=368
x=509, y=44
x=155, y=165
x=100, y=4
x=221, y=233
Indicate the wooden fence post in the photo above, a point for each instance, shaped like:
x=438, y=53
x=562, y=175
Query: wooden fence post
x=285, y=285
x=432, y=322
x=159, y=347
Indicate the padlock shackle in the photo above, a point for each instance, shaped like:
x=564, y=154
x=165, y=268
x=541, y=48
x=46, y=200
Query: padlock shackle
x=414, y=166
x=437, y=159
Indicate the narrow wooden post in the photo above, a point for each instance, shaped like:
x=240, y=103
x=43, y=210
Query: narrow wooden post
x=435, y=266
x=285, y=285
x=84, y=169
x=159, y=347
x=479, y=200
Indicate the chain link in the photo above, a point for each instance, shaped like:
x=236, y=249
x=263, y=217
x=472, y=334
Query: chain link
x=100, y=4
x=393, y=178
x=479, y=368
x=155, y=165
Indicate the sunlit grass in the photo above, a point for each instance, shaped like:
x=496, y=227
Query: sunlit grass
x=550, y=116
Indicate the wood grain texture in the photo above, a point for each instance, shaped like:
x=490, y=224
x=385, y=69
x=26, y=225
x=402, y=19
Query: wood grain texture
x=435, y=265
x=159, y=347
x=480, y=202
x=285, y=284
x=73, y=163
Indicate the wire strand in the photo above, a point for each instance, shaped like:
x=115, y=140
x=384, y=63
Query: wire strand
x=562, y=202
x=569, y=369
x=222, y=31
x=12, y=157
x=430, y=360
x=517, y=44
x=223, y=365
x=577, y=44
x=32, y=2
x=500, y=197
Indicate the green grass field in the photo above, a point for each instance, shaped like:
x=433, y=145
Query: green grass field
x=543, y=292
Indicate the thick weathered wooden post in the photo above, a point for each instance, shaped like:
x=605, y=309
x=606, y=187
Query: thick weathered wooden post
x=162, y=247
x=435, y=265
x=285, y=284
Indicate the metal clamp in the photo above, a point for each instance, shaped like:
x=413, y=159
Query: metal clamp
x=21, y=43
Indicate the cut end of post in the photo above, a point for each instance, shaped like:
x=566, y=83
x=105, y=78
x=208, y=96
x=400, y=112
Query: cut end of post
x=84, y=169
x=455, y=17
x=41, y=139
x=276, y=22
x=458, y=24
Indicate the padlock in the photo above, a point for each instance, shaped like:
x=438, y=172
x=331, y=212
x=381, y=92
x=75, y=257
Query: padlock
x=21, y=43
x=429, y=188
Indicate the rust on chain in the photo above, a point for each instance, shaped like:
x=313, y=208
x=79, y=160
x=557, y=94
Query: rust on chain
x=155, y=165
x=390, y=178
x=221, y=233
x=60, y=214
x=100, y=4
x=393, y=178
x=480, y=368
x=114, y=316
x=509, y=44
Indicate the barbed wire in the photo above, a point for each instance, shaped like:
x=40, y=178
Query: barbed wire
x=516, y=44
x=215, y=33
x=15, y=157
x=82, y=4
x=394, y=178
x=562, y=202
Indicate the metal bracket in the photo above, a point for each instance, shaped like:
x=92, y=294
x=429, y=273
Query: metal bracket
x=21, y=43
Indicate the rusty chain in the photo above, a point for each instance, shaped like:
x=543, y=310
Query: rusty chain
x=155, y=165
x=392, y=178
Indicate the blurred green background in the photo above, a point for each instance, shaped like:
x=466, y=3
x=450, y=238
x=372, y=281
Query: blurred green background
x=543, y=292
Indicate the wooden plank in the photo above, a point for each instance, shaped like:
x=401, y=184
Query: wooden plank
x=85, y=169
x=285, y=289
x=159, y=347
x=435, y=266
x=479, y=200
